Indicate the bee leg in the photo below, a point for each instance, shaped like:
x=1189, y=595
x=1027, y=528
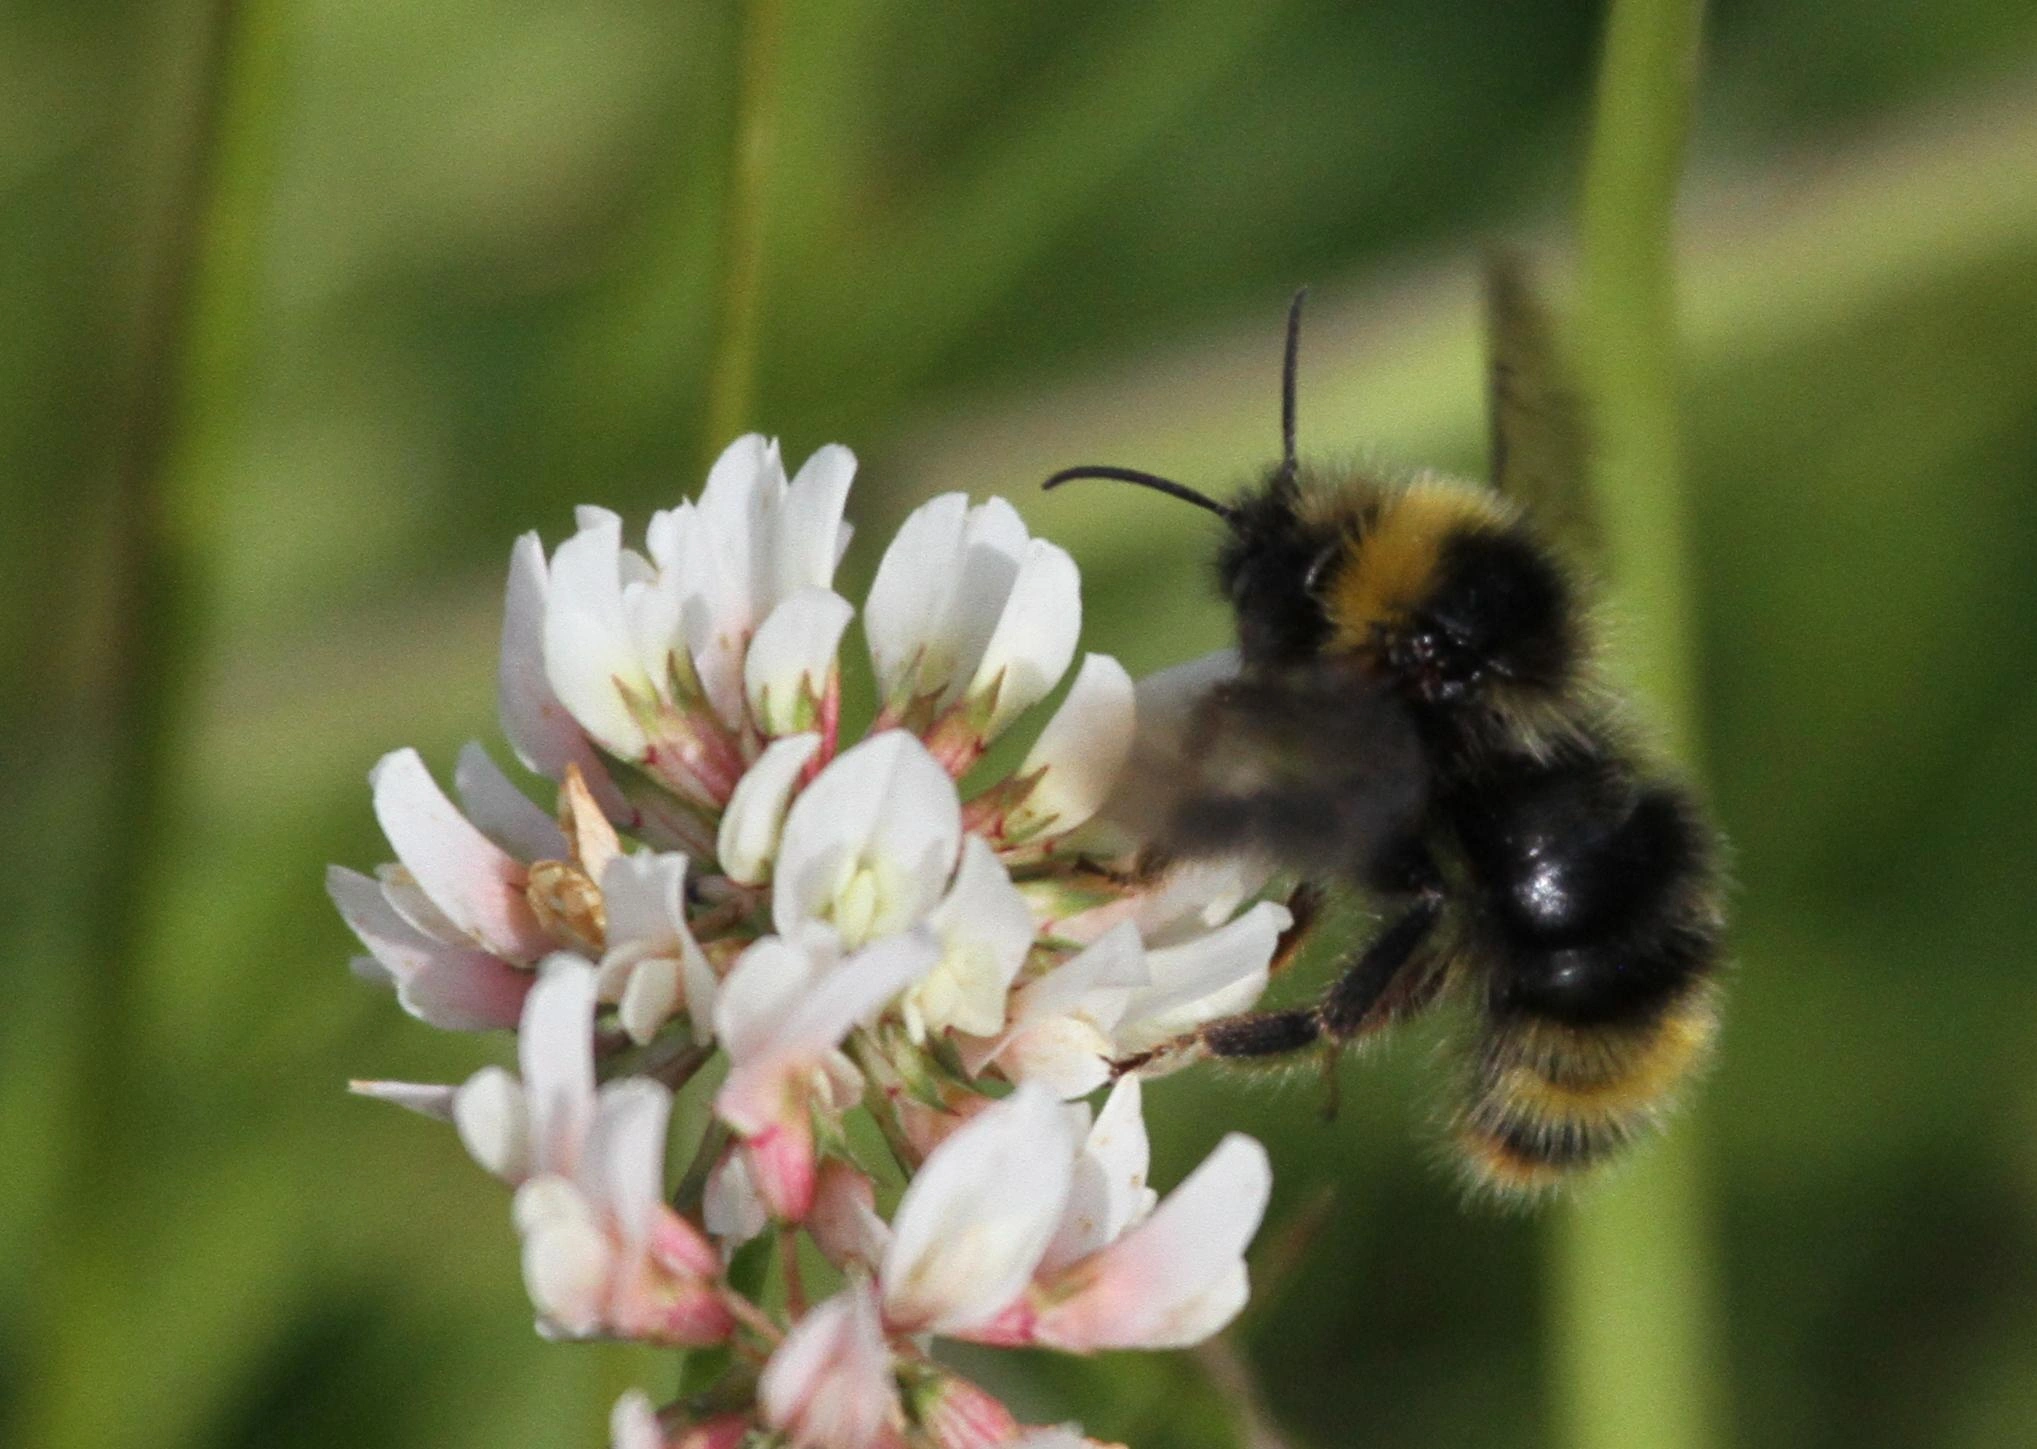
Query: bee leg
x=1361, y=999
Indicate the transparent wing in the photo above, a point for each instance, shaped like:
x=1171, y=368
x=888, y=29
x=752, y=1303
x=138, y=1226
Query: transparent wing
x=1540, y=439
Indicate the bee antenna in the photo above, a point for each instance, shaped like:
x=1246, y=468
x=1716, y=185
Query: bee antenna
x=1287, y=386
x=1145, y=480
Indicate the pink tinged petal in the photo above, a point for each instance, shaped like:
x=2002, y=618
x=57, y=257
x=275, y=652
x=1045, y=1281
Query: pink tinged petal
x=1035, y=637
x=567, y=1257
x=489, y=1110
x=844, y=1221
x=755, y=817
x=1080, y=753
x=634, y=1423
x=1108, y=1192
x=870, y=843
x=829, y=1383
x=1212, y=975
x=775, y=1065
x=590, y=655
x=809, y=526
x=783, y=1164
x=732, y=1208
x=465, y=875
x=975, y=1221
x=455, y=987
x=555, y=1050
x=985, y=929
x=1176, y=1278
x=724, y=1431
x=502, y=812
x=792, y=657
x=955, y=1414
x=427, y=1099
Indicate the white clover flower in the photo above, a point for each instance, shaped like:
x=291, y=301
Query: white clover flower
x=737, y=874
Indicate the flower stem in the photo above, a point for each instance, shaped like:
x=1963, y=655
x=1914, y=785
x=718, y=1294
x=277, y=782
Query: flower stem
x=1636, y=1336
x=732, y=383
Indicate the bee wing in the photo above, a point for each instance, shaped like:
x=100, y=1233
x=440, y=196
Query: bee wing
x=1315, y=768
x=1540, y=440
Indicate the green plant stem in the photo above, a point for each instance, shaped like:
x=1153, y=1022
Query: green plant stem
x=1636, y=1332
x=732, y=383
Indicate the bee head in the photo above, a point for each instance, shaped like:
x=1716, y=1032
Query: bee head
x=1274, y=560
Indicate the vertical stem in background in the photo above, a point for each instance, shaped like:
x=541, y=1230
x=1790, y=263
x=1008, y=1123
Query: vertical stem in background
x=733, y=379
x=182, y=341
x=1636, y=1328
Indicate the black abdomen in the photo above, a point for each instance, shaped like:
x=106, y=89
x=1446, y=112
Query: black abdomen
x=1591, y=888
x=1592, y=912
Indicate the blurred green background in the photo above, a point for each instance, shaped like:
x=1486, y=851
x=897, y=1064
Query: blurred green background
x=307, y=308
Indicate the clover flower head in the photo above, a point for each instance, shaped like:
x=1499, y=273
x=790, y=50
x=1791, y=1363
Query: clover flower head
x=857, y=923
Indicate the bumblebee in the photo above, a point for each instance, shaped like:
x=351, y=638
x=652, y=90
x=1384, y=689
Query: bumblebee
x=1417, y=713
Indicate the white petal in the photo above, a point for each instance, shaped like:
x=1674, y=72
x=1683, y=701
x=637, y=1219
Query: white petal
x=1108, y=1192
x=634, y=1423
x=1035, y=636
x=760, y=991
x=1081, y=751
x=1199, y=980
x=792, y=657
x=1096, y=983
x=1064, y=1053
x=543, y=735
x=463, y=873
x=979, y=1214
x=985, y=929
x=650, y=998
x=645, y=897
x=567, y=1258
x=755, y=816
x=1180, y=1275
x=624, y=1168
x=590, y=654
x=810, y=521
x=743, y=487
x=427, y=1099
x=731, y=1207
x=494, y=1123
x=908, y=599
x=555, y=1050
x=870, y=843
x=502, y=812
x=994, y=546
